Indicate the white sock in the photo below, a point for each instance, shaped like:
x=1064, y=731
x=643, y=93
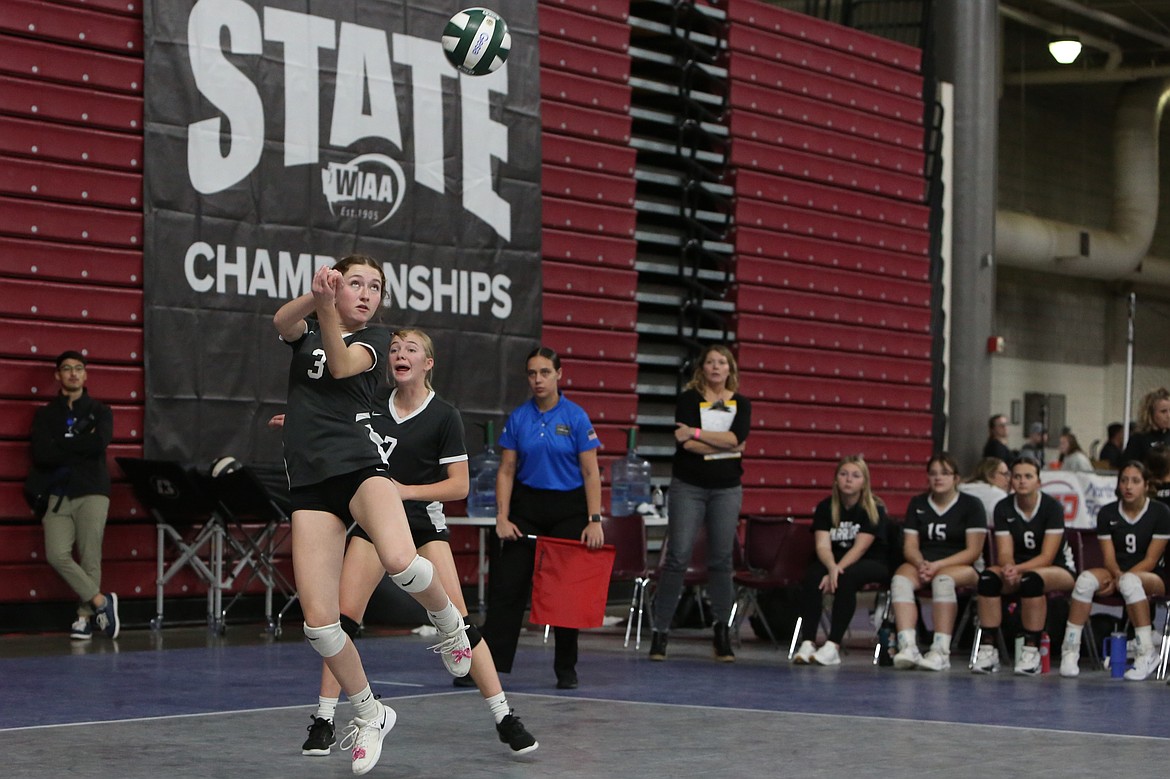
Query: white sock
x=1072, y=638
x=907, y=638
x=942, y=643
x=499, y=706
x=1145, y=639
x=326, y=707
x=365, y=705
x=447, y=620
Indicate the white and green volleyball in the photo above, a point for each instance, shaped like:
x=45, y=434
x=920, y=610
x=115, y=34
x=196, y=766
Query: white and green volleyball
x=476, y=41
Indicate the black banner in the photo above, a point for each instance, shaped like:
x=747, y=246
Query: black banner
x=284, y=135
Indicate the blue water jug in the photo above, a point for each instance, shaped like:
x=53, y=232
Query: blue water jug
x=482, y=470
x=629, y=480
x=1114, y=651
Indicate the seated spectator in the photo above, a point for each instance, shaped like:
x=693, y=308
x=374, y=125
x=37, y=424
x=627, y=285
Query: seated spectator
x=989, y=483
x=1034, y=446
x=997, y=434
x=1112, y=452
x=1132, y=532
x=943, y=539
x=1153, y=428
x=1072, y=456
x=850, y=527
x=1032, y=558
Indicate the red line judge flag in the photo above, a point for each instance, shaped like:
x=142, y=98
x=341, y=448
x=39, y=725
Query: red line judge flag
x=570, y=583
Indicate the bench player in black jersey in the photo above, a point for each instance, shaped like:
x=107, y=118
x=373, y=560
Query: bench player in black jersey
x=422, y=437
x=1031, y=559
x=1133, y=533
x=335, y=469
x=943, y=538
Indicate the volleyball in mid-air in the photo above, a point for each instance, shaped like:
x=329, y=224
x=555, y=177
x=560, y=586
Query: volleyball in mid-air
x=476, y=41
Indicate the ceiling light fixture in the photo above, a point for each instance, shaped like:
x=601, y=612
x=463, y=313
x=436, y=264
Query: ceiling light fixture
x=1065, y=49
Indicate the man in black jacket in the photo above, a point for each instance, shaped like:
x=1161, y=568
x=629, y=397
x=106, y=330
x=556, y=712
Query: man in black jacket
x=69, y=439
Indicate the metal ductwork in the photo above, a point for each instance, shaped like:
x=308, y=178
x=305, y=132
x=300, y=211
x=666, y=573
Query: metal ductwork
x=1032, y=242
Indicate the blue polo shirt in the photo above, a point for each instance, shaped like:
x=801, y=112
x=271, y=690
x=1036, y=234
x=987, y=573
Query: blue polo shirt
x=547, y=444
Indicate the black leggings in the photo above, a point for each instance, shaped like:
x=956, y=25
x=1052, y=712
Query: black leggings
x=862, y=572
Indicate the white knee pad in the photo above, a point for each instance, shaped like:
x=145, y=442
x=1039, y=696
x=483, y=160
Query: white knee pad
x=901, y=590
x=328, y=640
x=417, y=576
x=942, y=588
x=1130, y=587
x=1085, y=588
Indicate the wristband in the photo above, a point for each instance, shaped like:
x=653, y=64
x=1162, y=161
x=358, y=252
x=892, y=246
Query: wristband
x=697, y=432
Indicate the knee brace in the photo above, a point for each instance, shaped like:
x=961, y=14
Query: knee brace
x=1085, y=588
x=416, y=577
x=1031, y=585
x=473, y=635
x=943, y=589
x=352, y=627
x=327, y=640
x=1130, y=587
x=990, y=585
x=901, y=590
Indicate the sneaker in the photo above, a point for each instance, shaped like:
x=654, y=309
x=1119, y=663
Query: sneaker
x=321, y=738
x=107, y=616
x=907, y=658
x=464, y=682
x=1029, y=664
x=456, y=651
x=986, y=660
x=1070, y=664
x=804, y=655
x=513, y=733
x=1145, y=665
x=365, y=739
x=934, y=660
x=81, y=630
x=827, y=655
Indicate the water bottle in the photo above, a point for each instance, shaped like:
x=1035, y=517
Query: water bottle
x=482, y=470
x=658, y=498
x=629, y=480
x=1045, y=653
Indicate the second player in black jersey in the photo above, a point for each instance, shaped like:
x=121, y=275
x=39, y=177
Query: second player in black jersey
x=1133, y=533
x=943, y=538
x=1032, y=559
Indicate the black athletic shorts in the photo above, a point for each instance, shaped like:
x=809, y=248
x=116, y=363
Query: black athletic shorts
x=418, y=532
x=334, y=494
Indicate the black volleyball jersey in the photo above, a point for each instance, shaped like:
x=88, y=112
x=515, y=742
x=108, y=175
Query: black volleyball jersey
x=326, y=425
x=1028, y=533
x=419, y=447
x=945, y=534
x=854, y=520
x=1131, y=539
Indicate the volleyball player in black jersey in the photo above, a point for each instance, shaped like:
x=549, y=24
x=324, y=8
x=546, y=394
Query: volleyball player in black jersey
x=422, y=435
x=335, y=469
x=943, y=538
x=1031, y=558
x=1133, y=533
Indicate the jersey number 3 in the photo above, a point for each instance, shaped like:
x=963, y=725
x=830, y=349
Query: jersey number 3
x=318, y=369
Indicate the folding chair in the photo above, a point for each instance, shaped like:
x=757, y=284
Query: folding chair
x=628, y=536
x=776, y=551
x=184, y=514
x=260, y=527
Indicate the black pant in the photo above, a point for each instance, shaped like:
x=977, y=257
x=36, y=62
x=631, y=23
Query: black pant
x=541, y=513
x=862, y=572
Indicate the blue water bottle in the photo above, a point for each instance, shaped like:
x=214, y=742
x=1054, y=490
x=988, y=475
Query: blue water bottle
x=1116, y=652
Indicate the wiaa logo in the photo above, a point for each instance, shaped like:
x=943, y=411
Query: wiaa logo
x=369, y=187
